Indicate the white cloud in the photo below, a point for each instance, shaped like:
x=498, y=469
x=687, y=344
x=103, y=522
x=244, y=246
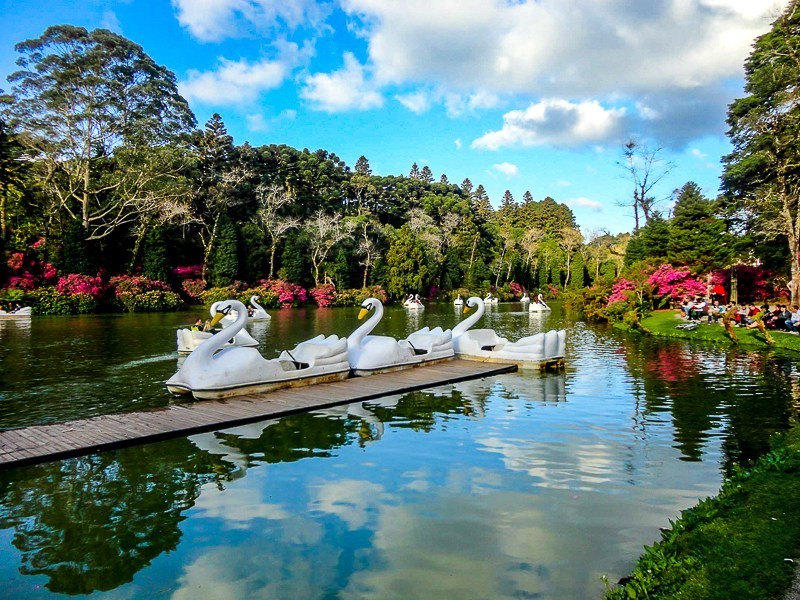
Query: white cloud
x=555, y=122
x=562, y=183
x=346, y=89
x=233, y=82
x=214, y=20
x=258, y=123
x=698, y=154
x=111, y=22
x=507, y=168
x=458, y=143
x=548, y=47
x=643, y=55
x=582, y=201
x=417, y=102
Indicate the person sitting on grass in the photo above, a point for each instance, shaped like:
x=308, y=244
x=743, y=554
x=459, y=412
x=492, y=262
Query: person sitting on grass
x=749, y=319
x=791, y=324
x=715, y=312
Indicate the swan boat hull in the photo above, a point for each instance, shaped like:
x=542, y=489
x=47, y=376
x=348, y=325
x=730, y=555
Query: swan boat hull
x=22, y=313
x=540, y=351
x=536, y=307
x=218, y=393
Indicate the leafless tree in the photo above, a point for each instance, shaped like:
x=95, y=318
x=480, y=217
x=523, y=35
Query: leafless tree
x=271, y=199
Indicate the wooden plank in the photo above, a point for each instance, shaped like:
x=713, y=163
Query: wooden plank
x=43, y=443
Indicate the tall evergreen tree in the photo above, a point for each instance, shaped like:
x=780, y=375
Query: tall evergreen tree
x=762, y=174
x=224, y=266
x=696, y=236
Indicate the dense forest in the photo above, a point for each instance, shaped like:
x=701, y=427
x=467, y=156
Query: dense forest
x=108, y=184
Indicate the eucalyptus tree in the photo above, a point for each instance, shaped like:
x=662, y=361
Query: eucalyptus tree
x=324, y=231
x=271, y=200
x=79, y=99
x=762, y=174
x=571, y=240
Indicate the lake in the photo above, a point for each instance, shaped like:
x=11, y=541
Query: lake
x=525, y=485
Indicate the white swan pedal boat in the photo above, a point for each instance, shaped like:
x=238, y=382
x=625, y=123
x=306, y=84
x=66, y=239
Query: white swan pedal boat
x=190, y=339
x=458, y=301
x=259, y=314
x=534, y=351
x=489, y=299
x=414, y=303
x=213, y=371
x=20, y=313
x=370, y=354
x=539, y=306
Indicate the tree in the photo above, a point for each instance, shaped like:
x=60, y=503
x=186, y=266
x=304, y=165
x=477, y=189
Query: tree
x=697, y=237
x=645, y=170
x=224, y=266
x=14, y=168
x=426, y=174
x=405, y=259
x=271, y=199
x=649, y=241
x=761, y=178
x=571, y=239
x=78, y=98
x=414, y=173
x=324, y=231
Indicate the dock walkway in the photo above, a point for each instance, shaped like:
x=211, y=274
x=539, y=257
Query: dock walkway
x=44, y=443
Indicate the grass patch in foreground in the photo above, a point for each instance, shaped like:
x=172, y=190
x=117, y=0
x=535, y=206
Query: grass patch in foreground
x=663, y=323
x=734, y=545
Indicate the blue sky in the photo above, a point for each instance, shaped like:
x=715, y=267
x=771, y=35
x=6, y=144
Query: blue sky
x=519, y=95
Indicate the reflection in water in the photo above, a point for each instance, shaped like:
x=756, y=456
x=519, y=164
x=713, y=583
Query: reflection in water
x=522, y=485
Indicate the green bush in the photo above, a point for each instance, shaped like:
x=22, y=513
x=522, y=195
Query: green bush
x=48, y=301
x=151, y=301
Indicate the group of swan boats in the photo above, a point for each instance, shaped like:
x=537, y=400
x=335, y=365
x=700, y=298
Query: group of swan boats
x=225, y=364
x=539, y=306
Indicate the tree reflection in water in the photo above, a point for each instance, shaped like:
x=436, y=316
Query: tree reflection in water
x=91, y=523
x=702, y=390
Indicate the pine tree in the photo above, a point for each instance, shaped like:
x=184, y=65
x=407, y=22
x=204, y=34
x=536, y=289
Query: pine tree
x=426, y=174
x=156, y=261
x=414, y=173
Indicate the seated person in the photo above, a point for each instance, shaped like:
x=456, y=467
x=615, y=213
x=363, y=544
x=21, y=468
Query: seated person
x=715, y=312
x=699, y=309
x=752, y=311
x=791, y=324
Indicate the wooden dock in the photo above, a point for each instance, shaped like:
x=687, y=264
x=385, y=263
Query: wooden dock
x=44, y=443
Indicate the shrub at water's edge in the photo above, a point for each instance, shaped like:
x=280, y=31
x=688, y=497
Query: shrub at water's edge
x=739, y=544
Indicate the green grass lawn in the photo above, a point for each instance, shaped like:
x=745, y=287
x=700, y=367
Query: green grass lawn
x=663, y=323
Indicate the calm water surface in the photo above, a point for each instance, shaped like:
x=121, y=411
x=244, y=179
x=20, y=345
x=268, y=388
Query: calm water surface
x=518, y=486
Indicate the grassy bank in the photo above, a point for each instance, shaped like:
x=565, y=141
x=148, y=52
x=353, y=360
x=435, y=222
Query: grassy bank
x=663, y=323
x=742, y=543
x=734, y=545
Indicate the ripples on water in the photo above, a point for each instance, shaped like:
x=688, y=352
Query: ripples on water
x=523, y=485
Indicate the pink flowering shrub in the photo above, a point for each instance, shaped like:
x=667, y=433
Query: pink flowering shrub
x=27, y=274
x=76, y=284
x=190, y=272
x=516, y=289
x=289, y=294
x=323, y=294
x=620, y=291
x=672, y=283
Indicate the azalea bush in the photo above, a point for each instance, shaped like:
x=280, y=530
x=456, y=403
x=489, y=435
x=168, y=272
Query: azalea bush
x=193, y=288
x=141, y=294
x=753, y=283
x=188, y=272
x=26, y=272
x=516, y=289
x=671, y=283
x=323, y=295
x=76, y=284
x=288, y=294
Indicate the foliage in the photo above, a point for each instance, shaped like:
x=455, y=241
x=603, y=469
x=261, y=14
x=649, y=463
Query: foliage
x=27, y=273
x=193, y=287
x=50, y=301
x=753, y=283
x=150, y=301
x=224, y=267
